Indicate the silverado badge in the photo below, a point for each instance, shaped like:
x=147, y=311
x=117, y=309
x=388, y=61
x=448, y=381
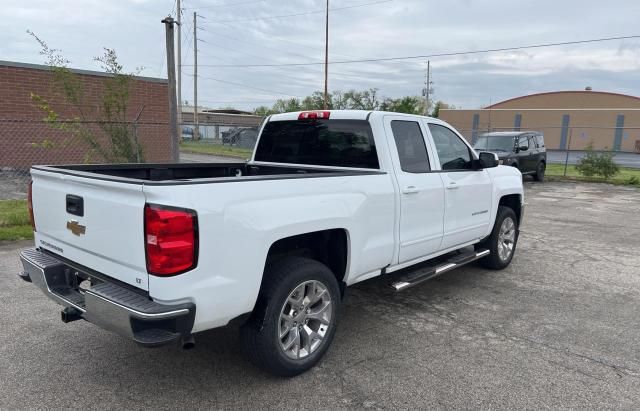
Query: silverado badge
x=75, y=227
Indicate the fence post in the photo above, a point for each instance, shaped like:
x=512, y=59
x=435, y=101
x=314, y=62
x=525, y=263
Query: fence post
x=566, y=157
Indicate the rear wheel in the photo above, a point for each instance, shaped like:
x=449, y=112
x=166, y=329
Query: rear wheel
x=539, y=175
x=295, y=318
x=502, y=241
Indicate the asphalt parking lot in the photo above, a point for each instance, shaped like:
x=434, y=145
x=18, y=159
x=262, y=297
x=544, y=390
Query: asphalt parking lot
x=558, y=328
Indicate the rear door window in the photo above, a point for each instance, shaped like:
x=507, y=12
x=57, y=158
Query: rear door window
x=411, y=148
x=337, y=143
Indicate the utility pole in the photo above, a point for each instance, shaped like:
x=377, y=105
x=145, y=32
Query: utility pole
x=196, y=128
x=427, y=88
x=179, y=57
x=326, y=58
x=171, y=76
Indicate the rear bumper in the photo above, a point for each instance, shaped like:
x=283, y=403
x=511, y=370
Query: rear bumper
x=115, y=307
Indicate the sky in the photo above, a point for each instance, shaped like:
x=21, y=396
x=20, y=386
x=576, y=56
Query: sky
x=245, y=32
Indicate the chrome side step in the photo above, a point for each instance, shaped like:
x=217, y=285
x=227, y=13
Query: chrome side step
x=427, y=273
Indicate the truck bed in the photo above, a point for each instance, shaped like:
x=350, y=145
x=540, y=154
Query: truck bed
x=186, y=173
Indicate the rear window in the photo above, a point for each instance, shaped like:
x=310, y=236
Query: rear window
x=337, y=143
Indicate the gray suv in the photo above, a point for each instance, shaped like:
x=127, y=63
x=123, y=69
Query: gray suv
x=521, y=149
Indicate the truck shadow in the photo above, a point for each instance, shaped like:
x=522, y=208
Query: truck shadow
x=217, y=372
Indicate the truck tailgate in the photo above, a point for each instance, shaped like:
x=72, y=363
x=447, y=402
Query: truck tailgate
x=106, y=235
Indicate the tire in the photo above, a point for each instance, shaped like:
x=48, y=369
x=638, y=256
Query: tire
x=539, y=175
x=496, y=260
x=272, y=326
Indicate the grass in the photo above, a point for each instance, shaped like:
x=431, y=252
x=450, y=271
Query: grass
x=14, y=221
x=556, y=172
x=214, y=149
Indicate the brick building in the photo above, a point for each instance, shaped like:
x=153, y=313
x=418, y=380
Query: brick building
x=569, y=119
x=25, y=139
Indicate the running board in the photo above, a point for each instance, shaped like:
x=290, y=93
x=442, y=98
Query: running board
x=427, y=273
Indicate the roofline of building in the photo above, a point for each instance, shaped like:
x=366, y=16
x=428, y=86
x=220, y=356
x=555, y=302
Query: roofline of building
x=76, y=71
x=561, y=92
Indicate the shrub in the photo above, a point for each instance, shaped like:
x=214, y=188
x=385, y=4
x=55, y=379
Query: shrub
x=597, y=164
x=633, y=181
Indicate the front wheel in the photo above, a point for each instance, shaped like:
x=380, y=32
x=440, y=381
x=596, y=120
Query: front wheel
x=295, y=318
x=502, y=241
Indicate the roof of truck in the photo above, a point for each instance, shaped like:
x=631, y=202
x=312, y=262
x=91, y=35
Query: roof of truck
x=339, y=114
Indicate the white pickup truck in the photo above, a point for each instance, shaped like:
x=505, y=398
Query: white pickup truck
x=159, y=252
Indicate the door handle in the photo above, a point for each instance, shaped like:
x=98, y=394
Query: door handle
x=452, y=185
x=410, y=190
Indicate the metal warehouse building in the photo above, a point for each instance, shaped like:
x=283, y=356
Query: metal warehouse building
x=569, y=119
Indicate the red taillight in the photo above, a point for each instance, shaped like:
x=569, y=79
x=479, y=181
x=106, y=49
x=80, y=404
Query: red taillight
x=171, y=239
x=30, y=205
x=314, y=115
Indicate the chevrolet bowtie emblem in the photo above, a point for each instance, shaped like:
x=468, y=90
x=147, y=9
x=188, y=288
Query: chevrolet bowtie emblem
x=75, y=227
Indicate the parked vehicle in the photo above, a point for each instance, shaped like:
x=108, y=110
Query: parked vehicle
x=524, y=150
x=328, y=199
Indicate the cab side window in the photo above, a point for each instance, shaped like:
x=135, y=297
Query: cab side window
x=524, y=142
x=453, y=153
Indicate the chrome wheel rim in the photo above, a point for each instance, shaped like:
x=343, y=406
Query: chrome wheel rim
x=305, y=319
x=506, y=238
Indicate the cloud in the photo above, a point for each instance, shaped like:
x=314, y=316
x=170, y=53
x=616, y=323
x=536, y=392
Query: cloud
x=401, y=27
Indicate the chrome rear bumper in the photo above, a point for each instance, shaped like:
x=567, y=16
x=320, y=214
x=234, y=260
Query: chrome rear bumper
x=115, y=307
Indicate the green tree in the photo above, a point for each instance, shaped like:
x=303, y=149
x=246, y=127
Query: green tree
x=407, y=104
x=316, y=101
x=287, y=105
x=362, y=100
x=111, y=116
x=440, y=105
x=348, y=100
x=600, y=164
x=263, y=111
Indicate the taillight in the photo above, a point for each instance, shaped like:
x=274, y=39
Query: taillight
x=30, y=205
x=314, y=115
x=171, y=239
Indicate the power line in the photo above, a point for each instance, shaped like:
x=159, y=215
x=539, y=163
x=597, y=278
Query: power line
x=224, y=5
x=262, y=46
x=230, y=49
x=300, y=14
x=244, y=85
x=423, y=56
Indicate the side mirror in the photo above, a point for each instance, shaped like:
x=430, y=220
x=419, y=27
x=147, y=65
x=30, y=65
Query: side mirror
x=523, y=148
x=488, y=160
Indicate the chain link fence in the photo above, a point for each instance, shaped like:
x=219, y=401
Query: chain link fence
x=224, y=134
x=24, y=143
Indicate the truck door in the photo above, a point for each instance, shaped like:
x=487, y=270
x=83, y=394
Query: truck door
x=421, y=191
x=468, y=192
x=526, y=154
